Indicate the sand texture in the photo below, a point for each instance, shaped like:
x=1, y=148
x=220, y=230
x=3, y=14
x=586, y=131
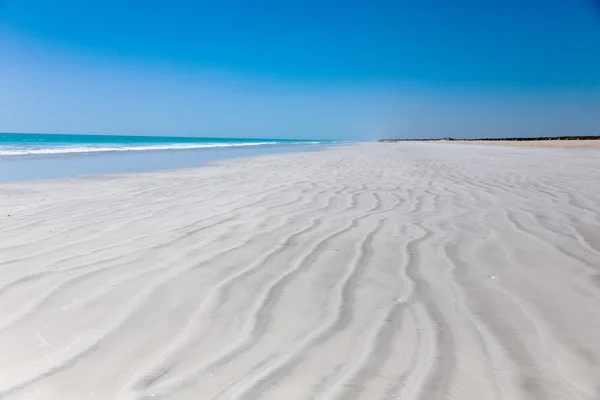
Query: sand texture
x=373, y=271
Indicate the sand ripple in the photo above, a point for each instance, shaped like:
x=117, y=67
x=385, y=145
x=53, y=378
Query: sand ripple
x=376, y=271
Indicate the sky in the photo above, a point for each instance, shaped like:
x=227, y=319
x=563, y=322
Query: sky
x=354, y=69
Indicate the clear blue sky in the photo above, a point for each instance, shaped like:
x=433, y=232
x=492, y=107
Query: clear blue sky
x=337, y=69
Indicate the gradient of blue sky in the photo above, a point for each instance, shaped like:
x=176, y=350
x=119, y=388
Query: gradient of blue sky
x=336, y=69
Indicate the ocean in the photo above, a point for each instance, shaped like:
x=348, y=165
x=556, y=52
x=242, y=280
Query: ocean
x=43, y=156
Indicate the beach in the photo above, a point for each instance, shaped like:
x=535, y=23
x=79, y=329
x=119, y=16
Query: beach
x=368, y=271
x=546, y=143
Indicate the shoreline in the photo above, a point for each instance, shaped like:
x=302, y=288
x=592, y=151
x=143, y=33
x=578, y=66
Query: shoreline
x=42, y=167
x=588, y=144
x=564, y=141
x=356, y=271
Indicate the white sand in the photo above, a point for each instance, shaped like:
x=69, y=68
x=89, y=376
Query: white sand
x=375, y=271
x=548, y=143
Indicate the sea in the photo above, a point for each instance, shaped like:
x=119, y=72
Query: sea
x=45, y=156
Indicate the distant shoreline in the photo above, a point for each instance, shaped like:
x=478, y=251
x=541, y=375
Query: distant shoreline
x=512, y=139
x=558, y=141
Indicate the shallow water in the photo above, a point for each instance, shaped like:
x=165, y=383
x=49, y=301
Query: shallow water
x=13, y=168
x=43, y=156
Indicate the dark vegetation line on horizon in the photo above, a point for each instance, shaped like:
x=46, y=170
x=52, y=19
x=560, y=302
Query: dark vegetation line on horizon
x=515, y=139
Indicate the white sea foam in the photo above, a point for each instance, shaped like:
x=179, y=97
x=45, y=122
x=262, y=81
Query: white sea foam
x=21, y=151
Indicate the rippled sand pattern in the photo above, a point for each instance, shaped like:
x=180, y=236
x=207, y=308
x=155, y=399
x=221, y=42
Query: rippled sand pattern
x=375, y=271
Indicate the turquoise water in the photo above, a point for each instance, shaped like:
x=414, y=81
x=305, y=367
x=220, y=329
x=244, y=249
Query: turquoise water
x=43, y=156
x=16, y=144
